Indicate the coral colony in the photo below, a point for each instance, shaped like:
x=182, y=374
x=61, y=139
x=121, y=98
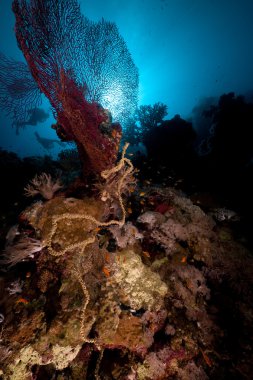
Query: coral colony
x=82, y=67
x=106, y=275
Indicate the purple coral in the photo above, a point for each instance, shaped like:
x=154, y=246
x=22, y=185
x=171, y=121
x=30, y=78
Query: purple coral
x=24, y=249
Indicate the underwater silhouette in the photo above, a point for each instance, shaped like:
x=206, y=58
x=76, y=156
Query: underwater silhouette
x=19, y=93
x=36, y=115
x=47, y=143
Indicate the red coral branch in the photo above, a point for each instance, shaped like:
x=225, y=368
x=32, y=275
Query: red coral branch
x=76, y=63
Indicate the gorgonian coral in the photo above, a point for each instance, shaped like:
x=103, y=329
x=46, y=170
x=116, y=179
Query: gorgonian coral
x=78, y=65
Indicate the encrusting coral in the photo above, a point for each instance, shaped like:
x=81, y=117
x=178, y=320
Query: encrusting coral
x=140, y=287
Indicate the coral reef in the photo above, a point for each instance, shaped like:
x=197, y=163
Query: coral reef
x=115, y=295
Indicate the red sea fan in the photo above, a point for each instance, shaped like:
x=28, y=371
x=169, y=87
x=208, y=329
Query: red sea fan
x=78, y=65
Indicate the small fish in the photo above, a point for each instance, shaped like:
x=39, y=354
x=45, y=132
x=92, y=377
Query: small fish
x=146, y=254
x=22, y=217
x=142, y=193
x=12, y=233
x=22, y=300
x=129, y=210
x=97, y=229
x=206, y=358
x=184, y=259
x=114, y=133
x=28, y=275
x=106, y=272
x=107, y=257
